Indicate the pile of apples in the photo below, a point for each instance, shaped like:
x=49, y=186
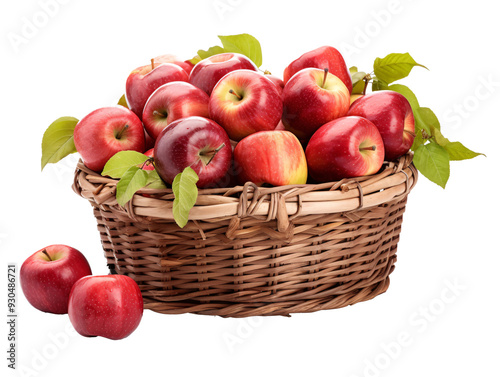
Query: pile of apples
x=232, y=124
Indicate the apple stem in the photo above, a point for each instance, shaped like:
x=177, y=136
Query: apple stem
x=372, y=148
x=214, y=152
x=47, y=254
x=410, y=132
x=324, y=77
x=162, y=114
x=236, y=94
x=153, y=63
x=120, y=134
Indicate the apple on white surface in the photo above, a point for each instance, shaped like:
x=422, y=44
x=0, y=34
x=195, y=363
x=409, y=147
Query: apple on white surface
x=207, y=73
x=171, y=102
x=106, y=131
x=48, y=275
x=197, y=142
x=143, y=81
x=392, y=114
x=110, y=306
x=244, y=102
x=311, y=98
x=344, y=148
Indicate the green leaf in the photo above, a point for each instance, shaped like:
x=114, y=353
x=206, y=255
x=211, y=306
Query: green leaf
x=133, y=180
x=358, y=84
x=122, y=161
x=154, y=180
x=433, y=161
x=378, y=84
x=409, y=95
x=57, y=141
x=195, y=59
x=394, y=67
x=427, y=119
x=456, y=150
x=123, y=101
x=243, y=44
x=185, y=192
x=438, y=137
x=353, y=70
x=214, y=50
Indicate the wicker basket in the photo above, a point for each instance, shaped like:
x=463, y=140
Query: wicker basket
x=248, y=250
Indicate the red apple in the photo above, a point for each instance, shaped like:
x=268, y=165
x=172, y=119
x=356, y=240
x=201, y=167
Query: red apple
x=354, y=97
x=209, y=71
x=344, y=148
x=173, y=101
x=48, y=275
x=169, y=58
x=244, y=102
x=270, y=157
x=392, y=114
x=106, y=131
x=322, y=57
x=143, y=81
x=148, y=165
x=149, y=142
x=110, y=306
x=196, y=142
x=311, y=98
x=277, y=81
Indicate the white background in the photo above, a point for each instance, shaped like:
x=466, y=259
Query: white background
x=78, y=60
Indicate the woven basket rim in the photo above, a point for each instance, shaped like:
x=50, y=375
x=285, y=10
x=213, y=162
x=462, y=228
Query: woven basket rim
x=395, y=179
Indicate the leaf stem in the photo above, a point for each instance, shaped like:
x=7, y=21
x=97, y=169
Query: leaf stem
x=366, y=79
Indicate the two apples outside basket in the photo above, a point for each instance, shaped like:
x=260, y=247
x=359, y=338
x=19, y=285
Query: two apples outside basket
x=218, y=121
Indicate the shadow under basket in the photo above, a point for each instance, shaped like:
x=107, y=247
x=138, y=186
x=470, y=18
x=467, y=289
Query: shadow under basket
x=254, y=251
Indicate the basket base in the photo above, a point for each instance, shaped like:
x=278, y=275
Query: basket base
x=242, y=310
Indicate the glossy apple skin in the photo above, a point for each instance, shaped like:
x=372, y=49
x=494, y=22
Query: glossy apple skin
x=280, y=84
x=270, y=157
x=106, y=131
x=143, y=81
x=322, y=57
x=110, y=306
x=392, y=114
x=183, y=142
x=259, y=108
x=308, y=104
x=47, y=284
x=207, y=73
x=169, y=58
x=171, y=102
x=334, y=151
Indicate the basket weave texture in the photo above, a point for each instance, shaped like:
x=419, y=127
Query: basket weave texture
x=251, y=251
